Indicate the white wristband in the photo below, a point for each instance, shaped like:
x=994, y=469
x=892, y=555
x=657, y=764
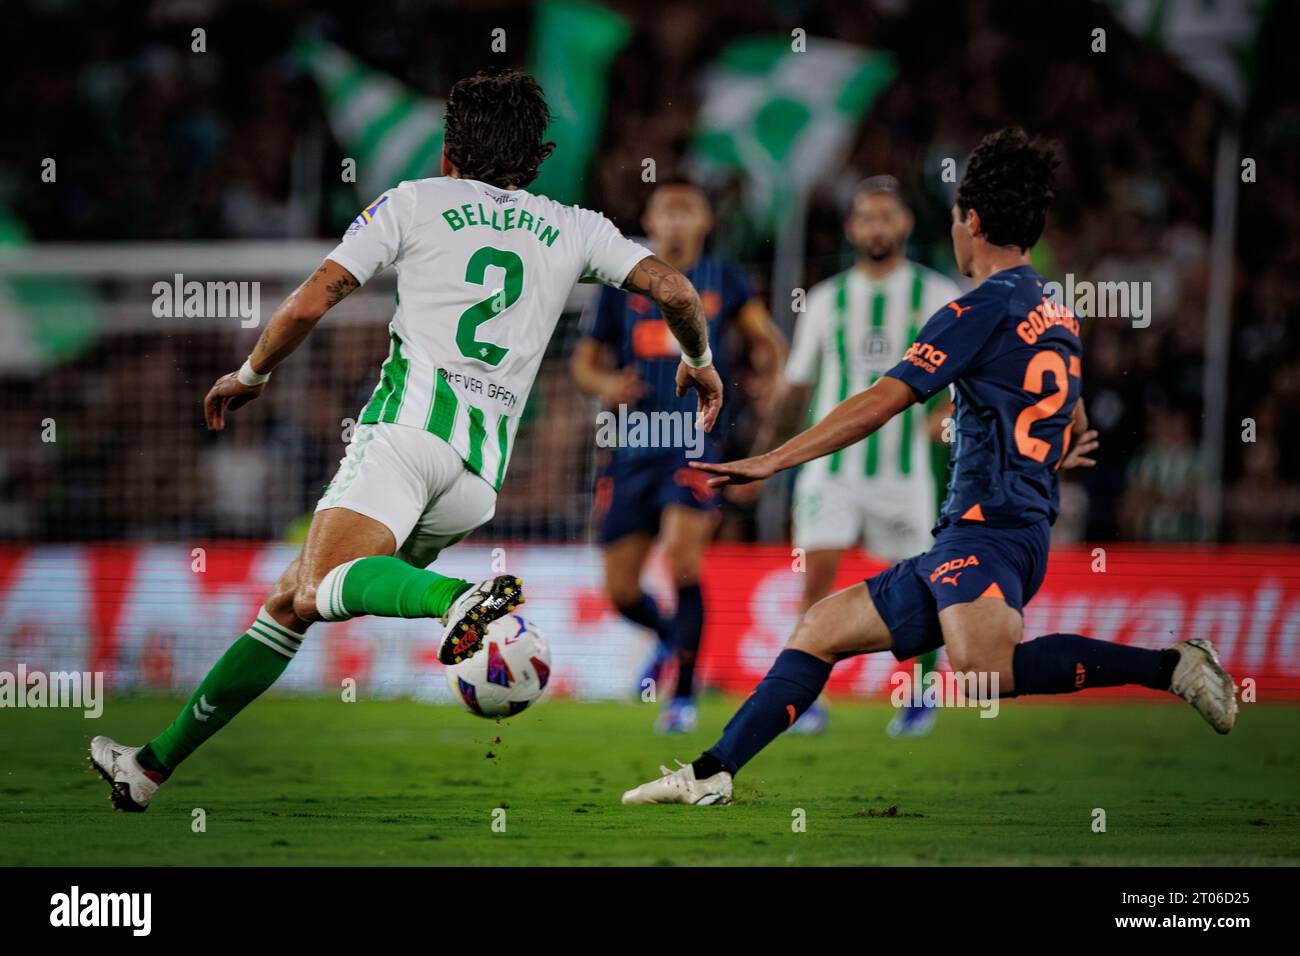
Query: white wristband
x=699, y=361
x=250, y=378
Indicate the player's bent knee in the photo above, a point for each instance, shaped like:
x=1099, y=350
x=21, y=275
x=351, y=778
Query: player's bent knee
x=280, y=603
x=819, y=633
x=978, y=660
x=304, y=603
x=684, y=560
x=961, y=661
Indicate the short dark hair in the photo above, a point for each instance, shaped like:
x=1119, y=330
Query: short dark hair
x=1010, y=181
x=495, y=125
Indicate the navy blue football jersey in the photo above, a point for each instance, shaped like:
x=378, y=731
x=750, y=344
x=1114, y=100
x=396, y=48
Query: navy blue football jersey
x=1014, y=360
x=631, y=325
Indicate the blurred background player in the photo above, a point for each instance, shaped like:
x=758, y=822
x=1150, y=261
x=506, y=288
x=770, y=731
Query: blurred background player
x=627, y=357
x=879, y=494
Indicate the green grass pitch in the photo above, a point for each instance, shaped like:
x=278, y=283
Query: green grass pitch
x=313, y=781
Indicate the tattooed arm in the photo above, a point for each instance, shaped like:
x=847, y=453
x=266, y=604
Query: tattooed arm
x=288, y=328
x=682, y=310
x=677, y=300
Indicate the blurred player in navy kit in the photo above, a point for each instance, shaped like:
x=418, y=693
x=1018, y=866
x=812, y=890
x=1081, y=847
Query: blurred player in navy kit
x=627, y=358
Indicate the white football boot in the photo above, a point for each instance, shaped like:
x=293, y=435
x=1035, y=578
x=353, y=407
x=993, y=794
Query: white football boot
x=680, y=786
x=1201, y=680
x=133, y=786
x=470, y=614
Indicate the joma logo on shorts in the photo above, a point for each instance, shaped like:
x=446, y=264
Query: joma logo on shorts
x=956, y=564
x=926, y=356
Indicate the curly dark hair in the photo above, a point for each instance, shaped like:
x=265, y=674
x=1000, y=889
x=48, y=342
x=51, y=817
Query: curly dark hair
x=1009, y=181
x=495, y=125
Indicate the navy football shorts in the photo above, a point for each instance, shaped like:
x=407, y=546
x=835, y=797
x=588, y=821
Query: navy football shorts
x=632, y=493
x=966, y=562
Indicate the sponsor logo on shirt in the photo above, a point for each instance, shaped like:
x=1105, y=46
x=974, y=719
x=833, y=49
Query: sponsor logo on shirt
x=925, y=356
x=367, y=214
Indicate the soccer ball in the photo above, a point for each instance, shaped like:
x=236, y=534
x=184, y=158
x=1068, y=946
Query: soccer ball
x=508, y=673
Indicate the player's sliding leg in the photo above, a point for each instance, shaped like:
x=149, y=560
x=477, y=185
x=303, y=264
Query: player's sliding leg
x=821, y=565
x=842, y=625
x=983, y=636
x=685, y=534
x=624, y=558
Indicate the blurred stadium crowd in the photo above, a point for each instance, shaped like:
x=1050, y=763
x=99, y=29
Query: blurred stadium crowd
x=158, y=144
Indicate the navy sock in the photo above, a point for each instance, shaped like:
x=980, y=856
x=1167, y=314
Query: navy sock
x=1065, y=663
x=688, y=625
x=646, y=613
x=790, y=687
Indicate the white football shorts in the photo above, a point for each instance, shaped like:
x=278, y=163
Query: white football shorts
x=890, y=520
x=415, y=484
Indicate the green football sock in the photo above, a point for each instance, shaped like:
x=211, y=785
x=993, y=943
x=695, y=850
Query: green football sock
x=388, y=587
x=248, y=668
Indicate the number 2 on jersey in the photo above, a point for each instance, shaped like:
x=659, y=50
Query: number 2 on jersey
x=503, y=298
x=1047, y=406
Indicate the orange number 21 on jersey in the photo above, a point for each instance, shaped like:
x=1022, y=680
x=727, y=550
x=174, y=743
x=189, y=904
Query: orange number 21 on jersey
x=1042, y=363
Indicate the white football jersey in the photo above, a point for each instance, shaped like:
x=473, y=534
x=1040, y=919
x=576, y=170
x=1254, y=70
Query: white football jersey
x=854, y=330
x=482, y=276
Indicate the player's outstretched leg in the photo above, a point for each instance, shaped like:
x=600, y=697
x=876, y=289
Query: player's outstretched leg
x=1066, y=663
x=983, y=636
x=842, y=625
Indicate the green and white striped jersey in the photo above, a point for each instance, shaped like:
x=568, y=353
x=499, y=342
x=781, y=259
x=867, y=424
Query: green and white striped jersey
x=854, y=330
x=482, y=276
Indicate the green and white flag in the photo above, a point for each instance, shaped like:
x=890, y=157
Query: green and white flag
x=390, y=131
x=1214, y=40
x=394, y=133
x=44, y=319
x=784, y=118
x=573, y=46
